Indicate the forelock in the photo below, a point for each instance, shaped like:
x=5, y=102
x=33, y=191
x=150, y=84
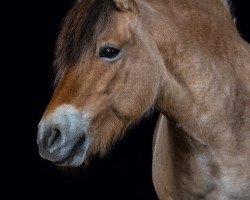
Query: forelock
x=81, y=28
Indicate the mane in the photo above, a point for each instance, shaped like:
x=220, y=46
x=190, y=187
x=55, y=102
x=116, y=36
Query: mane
x=84, y=23
x=229, y=5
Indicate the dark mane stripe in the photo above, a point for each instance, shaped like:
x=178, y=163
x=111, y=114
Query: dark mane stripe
x=84, y=23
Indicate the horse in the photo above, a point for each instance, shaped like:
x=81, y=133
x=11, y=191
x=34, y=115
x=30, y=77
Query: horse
x=117, y=60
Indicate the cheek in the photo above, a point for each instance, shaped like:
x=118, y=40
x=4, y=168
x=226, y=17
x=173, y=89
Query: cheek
x=137, y=96
x=146, y=95
x=145, y=83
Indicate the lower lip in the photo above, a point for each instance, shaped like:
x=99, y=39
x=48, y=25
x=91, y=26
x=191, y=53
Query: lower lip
x=71, y=154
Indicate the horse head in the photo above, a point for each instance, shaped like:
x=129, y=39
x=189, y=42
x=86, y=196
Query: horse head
x=109, y=74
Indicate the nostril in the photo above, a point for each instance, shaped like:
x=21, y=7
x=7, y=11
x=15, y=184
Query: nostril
x=53, y=137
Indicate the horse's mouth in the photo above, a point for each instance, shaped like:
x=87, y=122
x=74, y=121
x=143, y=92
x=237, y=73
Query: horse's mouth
x=76, y=156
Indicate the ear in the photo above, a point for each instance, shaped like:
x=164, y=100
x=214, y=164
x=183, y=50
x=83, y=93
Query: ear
x=126, y=5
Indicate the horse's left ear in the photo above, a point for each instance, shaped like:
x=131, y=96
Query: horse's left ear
x=126, y=5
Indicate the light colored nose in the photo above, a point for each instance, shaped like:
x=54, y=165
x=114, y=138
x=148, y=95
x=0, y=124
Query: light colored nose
x=60, y=132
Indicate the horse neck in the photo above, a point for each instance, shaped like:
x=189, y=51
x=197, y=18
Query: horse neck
x=206, y=86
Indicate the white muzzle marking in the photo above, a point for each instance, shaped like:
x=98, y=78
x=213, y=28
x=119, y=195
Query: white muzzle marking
x=63, y=136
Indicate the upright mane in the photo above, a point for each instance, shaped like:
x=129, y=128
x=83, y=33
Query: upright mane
x=230, y=7
x=227, y=3
x=83, y=25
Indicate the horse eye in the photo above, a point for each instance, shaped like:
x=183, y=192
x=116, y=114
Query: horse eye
x=109, y=53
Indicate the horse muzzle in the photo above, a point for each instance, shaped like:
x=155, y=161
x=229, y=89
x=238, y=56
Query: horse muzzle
x=62, y=136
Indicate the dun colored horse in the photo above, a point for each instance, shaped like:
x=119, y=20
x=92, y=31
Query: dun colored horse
x=118, y=59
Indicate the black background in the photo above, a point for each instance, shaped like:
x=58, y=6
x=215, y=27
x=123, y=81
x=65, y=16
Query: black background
x=30, y=29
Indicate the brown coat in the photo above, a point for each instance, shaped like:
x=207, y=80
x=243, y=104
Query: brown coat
x=182, y=57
